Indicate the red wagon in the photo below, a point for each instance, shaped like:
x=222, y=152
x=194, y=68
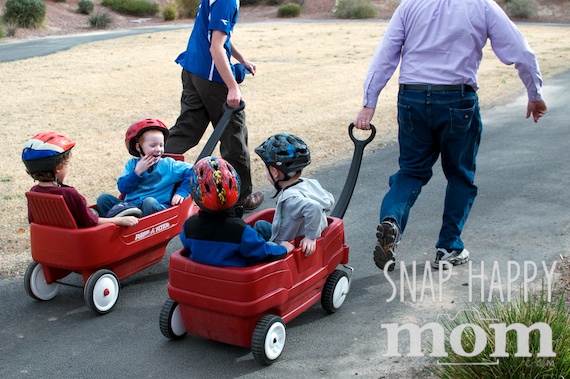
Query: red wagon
x=104, y=254
x=250, y=306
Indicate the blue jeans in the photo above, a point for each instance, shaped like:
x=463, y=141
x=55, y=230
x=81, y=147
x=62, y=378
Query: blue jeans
x=148, y=206
x=263, y=228
x=430, y=124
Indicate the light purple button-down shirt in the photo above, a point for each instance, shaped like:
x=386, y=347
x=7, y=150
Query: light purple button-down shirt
x=441, y=42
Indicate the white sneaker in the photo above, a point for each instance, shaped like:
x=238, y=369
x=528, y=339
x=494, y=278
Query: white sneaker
x=449, y=258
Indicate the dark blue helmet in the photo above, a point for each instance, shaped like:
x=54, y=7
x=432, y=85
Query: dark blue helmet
x=286, y=152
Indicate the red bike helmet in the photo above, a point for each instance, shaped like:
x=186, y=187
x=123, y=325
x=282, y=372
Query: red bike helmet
x=214, y=184
x=44, y=150
x=138, y=128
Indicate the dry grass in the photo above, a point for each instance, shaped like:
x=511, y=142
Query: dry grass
x=309, y=83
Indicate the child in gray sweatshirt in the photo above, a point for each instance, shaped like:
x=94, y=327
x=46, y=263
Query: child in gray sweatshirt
x=302, y=203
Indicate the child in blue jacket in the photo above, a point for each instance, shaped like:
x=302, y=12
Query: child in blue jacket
x=217, y=235
x=148, y=180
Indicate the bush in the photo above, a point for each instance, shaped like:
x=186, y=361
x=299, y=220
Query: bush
x=25, y=13
x=140, y=8
x=289, y=10
x=520, y=8
x=537, y=309
x=169, y=12
x=354, y=9
x=1, y=29
x=85, y=6
x=100, y=20
x=187, y=8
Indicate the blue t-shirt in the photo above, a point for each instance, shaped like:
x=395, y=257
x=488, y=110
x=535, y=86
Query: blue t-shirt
x=212, y=15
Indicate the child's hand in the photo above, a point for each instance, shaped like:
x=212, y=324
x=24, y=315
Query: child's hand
x=308, y=246
x=288, y=245
x=176, y=199
x=145, y=163
x=127, y=221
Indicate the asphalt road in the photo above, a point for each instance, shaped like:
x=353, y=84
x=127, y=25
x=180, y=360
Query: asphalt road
x=521, y=214
x=40, y=47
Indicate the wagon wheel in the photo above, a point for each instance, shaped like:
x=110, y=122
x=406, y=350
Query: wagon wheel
x=171, y=324
x=101, y=291
x=268, y=339
x=335, y=291
x=36, y=285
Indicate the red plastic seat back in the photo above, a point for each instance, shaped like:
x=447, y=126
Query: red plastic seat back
x=50, y=209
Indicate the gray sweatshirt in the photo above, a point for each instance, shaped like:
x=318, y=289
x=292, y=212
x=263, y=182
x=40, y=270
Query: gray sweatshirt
x=301, y=211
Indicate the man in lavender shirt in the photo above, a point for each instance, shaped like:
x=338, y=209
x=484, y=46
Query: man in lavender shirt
x=439, y=43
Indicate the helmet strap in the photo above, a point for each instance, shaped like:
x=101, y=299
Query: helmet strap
x=276, y=182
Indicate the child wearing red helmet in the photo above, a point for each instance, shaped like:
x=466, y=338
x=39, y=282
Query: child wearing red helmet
x=46, y=157
x=148, y=180
x=217, y=235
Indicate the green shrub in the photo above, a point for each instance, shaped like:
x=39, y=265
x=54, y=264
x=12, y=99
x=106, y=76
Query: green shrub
x=1, y=29
x=521, y=8
x=11, y=28
x=25, y=13
x=538, y=308
x=354, y=9
x=187, y=8
x=140, y=8
x=85, y=6
x=100, y=20
x=169, y=12
x=289, y=10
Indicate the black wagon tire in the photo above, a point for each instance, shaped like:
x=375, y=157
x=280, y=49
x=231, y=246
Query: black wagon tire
x=36, y=285
x=101, y=291
x=268, y=339
x=171, y=323
x=335, y=291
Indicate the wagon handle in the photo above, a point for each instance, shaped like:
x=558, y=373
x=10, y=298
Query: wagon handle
x=350, y=183
x=220, y=128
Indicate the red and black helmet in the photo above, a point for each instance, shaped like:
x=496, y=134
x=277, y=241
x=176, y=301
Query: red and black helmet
x=214, y=184
x=138, y=128
x=44, y=150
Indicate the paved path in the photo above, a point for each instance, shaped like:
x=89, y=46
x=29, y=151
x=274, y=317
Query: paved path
x=39, y=47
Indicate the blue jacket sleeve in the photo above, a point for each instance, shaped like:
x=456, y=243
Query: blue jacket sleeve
x=182, y=171
x=129, y=180
x=253, y=246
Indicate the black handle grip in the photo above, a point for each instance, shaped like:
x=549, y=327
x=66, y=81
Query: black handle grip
x=219, y=129
x=359, y=145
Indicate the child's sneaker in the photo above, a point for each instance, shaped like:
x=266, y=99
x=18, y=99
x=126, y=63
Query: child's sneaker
x=452, y=257
x=388, y=237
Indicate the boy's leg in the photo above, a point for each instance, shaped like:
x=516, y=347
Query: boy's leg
x=192, y=121
x=150, y=206
x=263, y=228
x=105, y=202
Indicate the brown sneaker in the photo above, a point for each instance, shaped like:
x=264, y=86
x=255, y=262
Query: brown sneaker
x=252, y=201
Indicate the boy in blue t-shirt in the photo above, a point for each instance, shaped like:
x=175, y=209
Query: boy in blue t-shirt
x=208, y=81
x=148, y=180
